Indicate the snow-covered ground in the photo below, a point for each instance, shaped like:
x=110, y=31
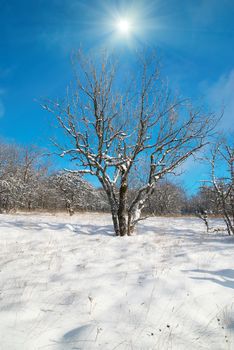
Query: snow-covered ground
x=67, y=283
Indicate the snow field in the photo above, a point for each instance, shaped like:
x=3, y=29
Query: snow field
x=67, y=283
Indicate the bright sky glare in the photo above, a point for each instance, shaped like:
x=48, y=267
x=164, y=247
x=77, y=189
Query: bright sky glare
x=124, y=25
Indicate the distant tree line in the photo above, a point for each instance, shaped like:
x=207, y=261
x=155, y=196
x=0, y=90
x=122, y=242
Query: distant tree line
x=27, y=182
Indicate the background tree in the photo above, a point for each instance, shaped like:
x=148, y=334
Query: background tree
x=10, y=183
x=72, y=192
x=216, y=194
x=168, y=198
x=33, y=170
x=109, y=127
x=21, y=172
x=222, y=157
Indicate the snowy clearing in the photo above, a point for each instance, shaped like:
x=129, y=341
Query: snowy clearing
x=67, y=283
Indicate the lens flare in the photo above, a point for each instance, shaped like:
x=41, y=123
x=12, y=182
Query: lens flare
x=124, y=26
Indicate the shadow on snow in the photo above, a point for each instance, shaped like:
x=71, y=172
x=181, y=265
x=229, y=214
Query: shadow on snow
x=224, y=277
x=82, y=229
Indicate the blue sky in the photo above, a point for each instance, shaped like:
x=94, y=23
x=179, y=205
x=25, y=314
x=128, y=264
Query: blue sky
x=195, y=39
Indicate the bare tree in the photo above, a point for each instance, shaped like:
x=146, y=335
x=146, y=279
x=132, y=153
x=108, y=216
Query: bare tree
x=223, y=186
x=216, y=195
x=110, y=127
x=21, y=172
x=74, y=193
x=168, y=198
x=10, y=185
x=33, y=169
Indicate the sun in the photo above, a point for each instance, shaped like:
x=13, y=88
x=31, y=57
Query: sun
x=124, y=26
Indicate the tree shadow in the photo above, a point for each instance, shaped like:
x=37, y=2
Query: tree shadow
x=93, y=230
x=82, y=334
x=195, y=236
x=79, y=229
x=192, y=235
x=223, y=277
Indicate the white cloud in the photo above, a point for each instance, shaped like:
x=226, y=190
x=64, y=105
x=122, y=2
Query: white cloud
x=221, y=95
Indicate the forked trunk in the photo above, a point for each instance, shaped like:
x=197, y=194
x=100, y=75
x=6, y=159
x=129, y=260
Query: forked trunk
x=124, y=221
x=119, y=223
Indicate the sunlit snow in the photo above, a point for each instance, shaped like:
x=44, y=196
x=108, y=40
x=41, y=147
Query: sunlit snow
x=68, y=283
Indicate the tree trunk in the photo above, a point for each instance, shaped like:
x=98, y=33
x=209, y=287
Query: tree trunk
x=122, y=208
x=115, y=222
x=122, y=222
x=229, y=225
x=113, y=205
x=133, y=217
x=227, y=219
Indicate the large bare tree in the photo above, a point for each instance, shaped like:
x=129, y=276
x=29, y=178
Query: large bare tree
x=111, y=124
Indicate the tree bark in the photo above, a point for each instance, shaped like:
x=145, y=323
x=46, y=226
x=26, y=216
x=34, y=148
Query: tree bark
x=122, y=208
x=115, y=222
